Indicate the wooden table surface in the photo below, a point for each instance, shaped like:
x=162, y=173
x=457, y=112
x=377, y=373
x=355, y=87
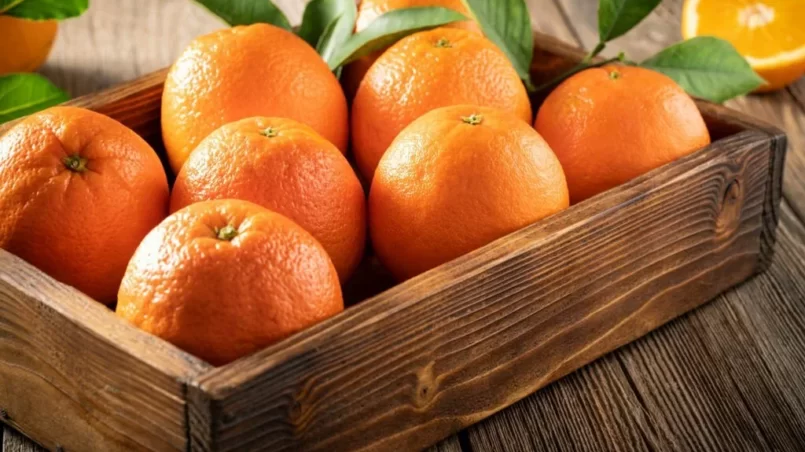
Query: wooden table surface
x=728, y=376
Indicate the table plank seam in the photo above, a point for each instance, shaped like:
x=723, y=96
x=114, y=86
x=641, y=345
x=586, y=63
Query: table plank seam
x=654, y=438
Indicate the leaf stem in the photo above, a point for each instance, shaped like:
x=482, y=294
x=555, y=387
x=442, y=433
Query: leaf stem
x=584, y=64
x=598, y=49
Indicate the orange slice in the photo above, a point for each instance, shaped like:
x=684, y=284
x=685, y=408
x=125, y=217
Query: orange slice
x=770, y=34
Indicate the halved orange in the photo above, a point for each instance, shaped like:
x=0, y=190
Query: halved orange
x=770, y=34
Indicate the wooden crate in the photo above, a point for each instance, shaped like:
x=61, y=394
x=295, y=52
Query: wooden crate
x=411, y=363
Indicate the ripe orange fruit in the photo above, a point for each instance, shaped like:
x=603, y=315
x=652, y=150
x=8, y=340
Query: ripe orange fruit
x=223, y=279
x=26, y=43
x=78, y=191
x=255, y=70
x=456, y=179
x=287, y=167
x=428, y=70
x=369, y=10
x=611, y=124
x=769, y=34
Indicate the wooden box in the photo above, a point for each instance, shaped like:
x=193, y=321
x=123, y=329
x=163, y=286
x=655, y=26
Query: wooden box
x=411, y=363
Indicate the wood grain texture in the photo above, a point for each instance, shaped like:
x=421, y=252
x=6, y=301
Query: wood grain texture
x=453, y=346
x=13, y=441
x=72, y=375
x=571, y=415
x=720, y=378
x=600, y=401
x=797, y=90
x=451, y=444
x=120, y=40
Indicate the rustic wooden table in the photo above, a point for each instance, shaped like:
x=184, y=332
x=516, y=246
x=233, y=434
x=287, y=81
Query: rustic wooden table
x=728, y=376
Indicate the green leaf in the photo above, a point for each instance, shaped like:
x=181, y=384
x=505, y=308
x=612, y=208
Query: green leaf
x=6, y=5
x=706, y=67
x=43, y=9
x=508, y=25
x=616, y=17
x=334, y=36
x=247, y=12
x=321, y=14
x=389, y=28
x=23, y=94
x=341, y=16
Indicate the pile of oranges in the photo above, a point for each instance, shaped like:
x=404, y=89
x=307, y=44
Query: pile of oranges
x=267, y=217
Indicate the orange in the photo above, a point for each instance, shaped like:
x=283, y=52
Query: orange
x=427, y=70
x=369, y=10
x=26, y=43
x=768, y=33
x=611, y=124
x=287, y=167
x=255, y=70
x=223, y=279
x=456, y=179
x=78, y=191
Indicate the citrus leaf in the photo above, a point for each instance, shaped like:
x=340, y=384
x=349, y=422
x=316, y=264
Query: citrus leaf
x=389, y=28
x=6, y=5
x=43, y=9
x=334, y=37
x=706, y=67
x=616, y=17
x=246, y=12
x=338, y=31
x=23, y=94
x=326, y=34
x=319, y=15
x=508, y=25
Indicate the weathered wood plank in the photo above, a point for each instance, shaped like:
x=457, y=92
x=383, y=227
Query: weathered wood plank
x=73, y=375
x=592, y=409
x=483, y=339
x=797, y=90
x=718, y=378
x=547, y=18
x=450, y=444
x=118, y=41
x=765, y=394
x=711, y=374
x=13, y=441
x=73, y=73
x=112, y=43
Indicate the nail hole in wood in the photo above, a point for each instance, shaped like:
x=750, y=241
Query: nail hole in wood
x=227, y=418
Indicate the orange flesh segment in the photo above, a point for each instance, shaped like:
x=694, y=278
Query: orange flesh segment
x=759, y=30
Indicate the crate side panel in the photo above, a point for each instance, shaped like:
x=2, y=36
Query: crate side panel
x=73, y=375
x=459, y=343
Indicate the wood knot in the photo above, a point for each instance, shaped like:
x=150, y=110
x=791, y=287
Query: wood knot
x=295, y=411
x=301, y=406
x=729, y=215
x=426, y=386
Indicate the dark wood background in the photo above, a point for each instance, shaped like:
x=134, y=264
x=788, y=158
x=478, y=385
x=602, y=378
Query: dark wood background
x=728, y=376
